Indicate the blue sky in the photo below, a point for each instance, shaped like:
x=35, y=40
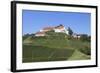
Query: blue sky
x=33, y=21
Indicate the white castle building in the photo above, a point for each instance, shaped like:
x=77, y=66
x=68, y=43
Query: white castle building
x=57, y=29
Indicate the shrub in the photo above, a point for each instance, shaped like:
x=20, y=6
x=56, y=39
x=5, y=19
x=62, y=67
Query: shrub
x=85, y=37
x=86, y=50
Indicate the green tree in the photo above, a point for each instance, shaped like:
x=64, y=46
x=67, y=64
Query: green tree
x=85, y=37
x=70, y=32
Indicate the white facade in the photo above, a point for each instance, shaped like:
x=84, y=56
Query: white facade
x=76, y=36
x=66, y=31
x=39, y=34
x=41, y=30
x=58, y=30
x=63, y=30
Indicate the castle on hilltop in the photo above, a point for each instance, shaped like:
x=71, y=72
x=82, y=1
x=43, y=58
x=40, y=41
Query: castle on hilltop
x=58, y=29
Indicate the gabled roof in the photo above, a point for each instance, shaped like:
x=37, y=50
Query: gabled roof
x=40, y=33
x=48, y=28
x=59, y=27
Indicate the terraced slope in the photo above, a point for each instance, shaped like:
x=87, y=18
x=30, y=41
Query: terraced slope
x=54, y=47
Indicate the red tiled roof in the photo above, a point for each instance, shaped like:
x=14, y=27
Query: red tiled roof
x=40, y=33
x=59, y=27
x=48, y=28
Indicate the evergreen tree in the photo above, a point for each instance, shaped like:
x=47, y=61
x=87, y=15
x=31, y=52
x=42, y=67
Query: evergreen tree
x=70, y=32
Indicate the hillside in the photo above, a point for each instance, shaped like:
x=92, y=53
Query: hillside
x=54, y=47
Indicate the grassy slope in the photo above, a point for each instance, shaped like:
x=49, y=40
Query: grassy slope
x=27, y=40
x=54, y=47
x=41, y=53
x=77, y=55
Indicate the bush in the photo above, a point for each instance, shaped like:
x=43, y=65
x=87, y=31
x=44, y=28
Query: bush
x=86, y=50
x=85, y=37
x=69, y=37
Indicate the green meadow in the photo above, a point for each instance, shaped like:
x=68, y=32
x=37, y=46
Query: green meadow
x=54, y=47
